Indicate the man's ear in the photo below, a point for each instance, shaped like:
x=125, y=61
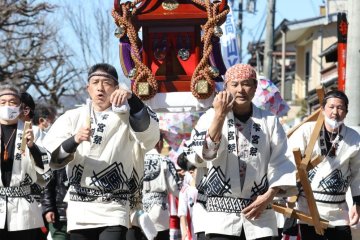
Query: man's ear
x=26, y=111
x=41, y=120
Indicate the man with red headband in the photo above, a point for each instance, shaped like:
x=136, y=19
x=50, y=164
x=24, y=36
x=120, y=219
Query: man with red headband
x=102, y=145
x=248, y=160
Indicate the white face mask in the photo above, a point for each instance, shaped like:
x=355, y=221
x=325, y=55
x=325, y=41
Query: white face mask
x=9, y=113
x=47, y=128
x=334, y=124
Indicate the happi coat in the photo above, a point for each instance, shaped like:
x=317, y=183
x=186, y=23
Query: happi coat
x=101, y=171
x=269, y=164
x=160, y=179
x=18, y=206
x=331, y=178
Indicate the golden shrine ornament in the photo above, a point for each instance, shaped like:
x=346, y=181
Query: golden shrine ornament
x=170, y=5
x=143, y=88
x=202, y=87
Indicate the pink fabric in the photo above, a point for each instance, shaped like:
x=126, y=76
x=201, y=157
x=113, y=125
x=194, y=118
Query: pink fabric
x=240, y=72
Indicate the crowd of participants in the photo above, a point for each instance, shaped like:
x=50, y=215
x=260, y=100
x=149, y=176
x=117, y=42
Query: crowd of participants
x=98, y=172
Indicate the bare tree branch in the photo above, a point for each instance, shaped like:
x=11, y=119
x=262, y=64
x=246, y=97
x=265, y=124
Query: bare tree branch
x=31, y=55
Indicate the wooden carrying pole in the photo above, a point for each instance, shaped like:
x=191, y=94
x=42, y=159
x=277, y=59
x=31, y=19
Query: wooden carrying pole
x=304, y=164
x=314, y=116
x=292, y=213
x=27, y=125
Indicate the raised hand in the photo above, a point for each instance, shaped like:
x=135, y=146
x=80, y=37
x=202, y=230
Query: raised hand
x=83, y=134
x=223, y=103
x=29, y=136
x=120, y=96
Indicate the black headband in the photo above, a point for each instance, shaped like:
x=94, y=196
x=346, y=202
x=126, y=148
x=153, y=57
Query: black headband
x=336, y=94
x=102, y=74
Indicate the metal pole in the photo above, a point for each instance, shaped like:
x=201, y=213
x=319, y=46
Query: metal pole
x=283, y=51
x=269, y=40
x=352, y=86
x=240, y=20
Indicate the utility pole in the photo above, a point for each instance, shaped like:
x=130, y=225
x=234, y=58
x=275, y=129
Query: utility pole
x=269, y=40
x=352, y=85
x=283, y=55
x=240, y=21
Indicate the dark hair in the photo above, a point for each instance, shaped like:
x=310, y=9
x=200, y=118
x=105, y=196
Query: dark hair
x=28, y=101
x=335, y=94
x=42, y=111
x=184, y=163
x=106, y=68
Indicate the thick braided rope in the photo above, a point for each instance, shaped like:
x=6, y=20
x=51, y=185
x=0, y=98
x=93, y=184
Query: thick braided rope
x=202, y=71
x=143, y=73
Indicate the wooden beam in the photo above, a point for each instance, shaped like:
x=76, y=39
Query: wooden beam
x=304, y=164
x=303, y=176
x=293, y=213
x=314, y=162
x=313, y=139
x=297, y=157
x=27, y=125
x=314, y=116
x=321, y=93
x=310, y=118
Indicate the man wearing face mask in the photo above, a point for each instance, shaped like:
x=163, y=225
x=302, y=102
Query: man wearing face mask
x=20, y=214
x=43, y=119
x=339, y=170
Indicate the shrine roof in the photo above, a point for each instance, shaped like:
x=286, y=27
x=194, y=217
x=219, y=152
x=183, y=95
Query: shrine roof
x=150, y=10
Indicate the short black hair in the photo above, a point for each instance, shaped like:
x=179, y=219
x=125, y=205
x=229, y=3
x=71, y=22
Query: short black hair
x=184, y=163
x=106, y=68
x=28, y=101
x=335, y=94
x=42, y=111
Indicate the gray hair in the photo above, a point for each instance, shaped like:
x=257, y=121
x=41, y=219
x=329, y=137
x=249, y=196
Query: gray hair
x=10, y=87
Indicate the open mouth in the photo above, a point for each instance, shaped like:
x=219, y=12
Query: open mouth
x=100, y=96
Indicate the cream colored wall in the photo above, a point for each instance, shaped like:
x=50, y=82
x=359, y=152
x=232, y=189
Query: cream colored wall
x=329, y=37
x=311, y=42
x=299, y=87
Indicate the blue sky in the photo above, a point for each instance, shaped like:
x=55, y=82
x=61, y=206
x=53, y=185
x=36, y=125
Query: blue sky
x=289, y=9
x=252, y=23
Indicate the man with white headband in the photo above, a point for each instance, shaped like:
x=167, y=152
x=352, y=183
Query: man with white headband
x=248, y=160
x=21, y=167
x=103, y=151
x=338, y=171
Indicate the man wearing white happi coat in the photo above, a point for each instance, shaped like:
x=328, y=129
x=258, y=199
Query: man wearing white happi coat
x=248, y=160
x=21, y=167
x=339, y=170
x=160, y=179
x=102, y=155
